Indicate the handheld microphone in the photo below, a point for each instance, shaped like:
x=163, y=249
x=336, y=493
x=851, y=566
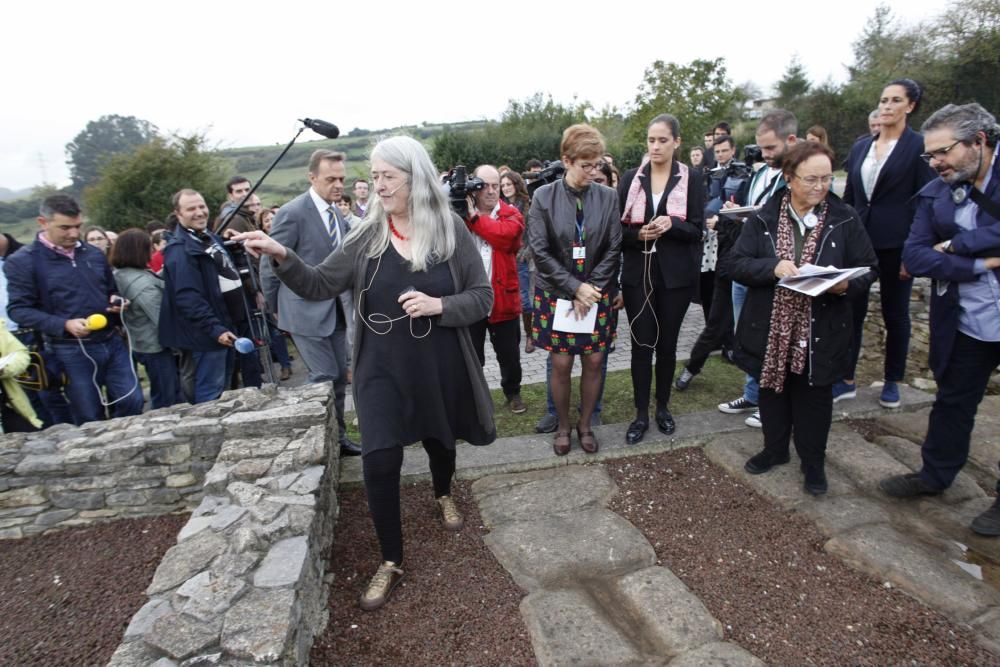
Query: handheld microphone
x=328, y=130
x=96, y=322
x=243, y=345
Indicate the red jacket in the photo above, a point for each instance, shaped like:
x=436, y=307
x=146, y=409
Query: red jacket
x=504, y=235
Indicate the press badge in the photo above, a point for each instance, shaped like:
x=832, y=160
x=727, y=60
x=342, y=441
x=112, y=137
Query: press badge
x=579, y=252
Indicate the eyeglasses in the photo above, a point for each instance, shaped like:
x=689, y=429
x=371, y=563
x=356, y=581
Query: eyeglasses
x=813, y=181
x=591, y=167
x=939, y=153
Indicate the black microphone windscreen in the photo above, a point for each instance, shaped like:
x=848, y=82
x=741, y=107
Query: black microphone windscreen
x=328, y=130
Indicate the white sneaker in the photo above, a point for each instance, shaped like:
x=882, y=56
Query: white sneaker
x=753, y=420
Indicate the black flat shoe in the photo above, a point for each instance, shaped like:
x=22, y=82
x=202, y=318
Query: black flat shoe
x=815, y=482
x=665, y=421
x=349, y=448
x=635, y=431
x=762, y=462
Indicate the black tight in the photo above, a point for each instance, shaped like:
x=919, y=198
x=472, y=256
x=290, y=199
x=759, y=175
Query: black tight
x=381, y=471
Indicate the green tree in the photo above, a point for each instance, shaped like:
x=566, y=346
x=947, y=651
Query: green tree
x=699, y=94
x=967, y=36
x=137, y=186
x=793, y=85
x=101, y=139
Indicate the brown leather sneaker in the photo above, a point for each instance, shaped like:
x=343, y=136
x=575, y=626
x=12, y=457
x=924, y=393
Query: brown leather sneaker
x=450, y=516
x=381, y=585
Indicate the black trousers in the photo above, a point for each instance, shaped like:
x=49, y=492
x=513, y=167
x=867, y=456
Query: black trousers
x=960, y=391
x=718, y=331
x=382, y=471
x=802, y=411
x=894, y=295
x=505, y=337
x=658, y=321
x=706, y=291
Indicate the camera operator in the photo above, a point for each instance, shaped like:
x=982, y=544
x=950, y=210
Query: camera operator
x=498, y=229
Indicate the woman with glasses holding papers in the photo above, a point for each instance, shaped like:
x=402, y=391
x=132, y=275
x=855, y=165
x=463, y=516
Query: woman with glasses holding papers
x=796, y=344
x=575, y=237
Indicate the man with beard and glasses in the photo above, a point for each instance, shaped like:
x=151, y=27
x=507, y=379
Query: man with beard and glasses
x=955, y=240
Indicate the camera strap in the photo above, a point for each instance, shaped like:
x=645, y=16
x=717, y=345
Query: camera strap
x=984, y=202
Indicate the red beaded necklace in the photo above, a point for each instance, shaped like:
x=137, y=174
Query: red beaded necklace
x=395, y=232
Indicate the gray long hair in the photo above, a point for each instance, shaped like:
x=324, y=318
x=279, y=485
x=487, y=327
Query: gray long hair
x=432, y=228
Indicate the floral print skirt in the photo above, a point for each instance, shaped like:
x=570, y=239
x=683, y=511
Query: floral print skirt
x=560, y=342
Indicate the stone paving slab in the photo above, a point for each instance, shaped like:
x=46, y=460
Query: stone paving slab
x=719, y=654
x=669, y=610
x=888, y=555
x=567, y=627
x=906, y=452
x=556, y=550
x=532, y=495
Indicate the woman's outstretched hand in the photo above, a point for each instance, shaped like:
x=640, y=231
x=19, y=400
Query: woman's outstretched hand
x=258, y=243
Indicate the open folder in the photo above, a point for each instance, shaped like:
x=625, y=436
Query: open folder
x=815, y=280
x=565, y=318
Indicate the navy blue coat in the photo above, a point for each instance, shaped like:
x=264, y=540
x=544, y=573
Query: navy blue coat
x=76, y=288
x=888, y=215
x=193, y=313
x=935, y=222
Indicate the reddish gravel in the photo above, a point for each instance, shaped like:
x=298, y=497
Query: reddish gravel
x=455, y=606
x=66, y=597
x=763, y=573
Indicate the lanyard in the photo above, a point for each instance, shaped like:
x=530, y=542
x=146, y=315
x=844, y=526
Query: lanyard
x=581, y=232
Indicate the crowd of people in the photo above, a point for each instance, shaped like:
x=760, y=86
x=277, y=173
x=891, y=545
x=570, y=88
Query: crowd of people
x=398, y=291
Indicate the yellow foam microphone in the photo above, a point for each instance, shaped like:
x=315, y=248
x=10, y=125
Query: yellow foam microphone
x=96, y=322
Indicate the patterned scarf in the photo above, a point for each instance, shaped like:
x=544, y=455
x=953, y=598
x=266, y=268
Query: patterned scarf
x=635, y=201
x=788, y=337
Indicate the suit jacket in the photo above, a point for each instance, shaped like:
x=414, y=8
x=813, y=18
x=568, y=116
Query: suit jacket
x=887, y=216
x=678, y=252
x=299, y=227
x=935, y=222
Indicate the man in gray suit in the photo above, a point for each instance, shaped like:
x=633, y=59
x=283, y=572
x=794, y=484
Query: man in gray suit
x=312, y=226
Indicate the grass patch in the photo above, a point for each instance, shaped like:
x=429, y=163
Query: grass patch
x=717, y=382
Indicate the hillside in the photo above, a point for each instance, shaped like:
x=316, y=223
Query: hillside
x=289, y=178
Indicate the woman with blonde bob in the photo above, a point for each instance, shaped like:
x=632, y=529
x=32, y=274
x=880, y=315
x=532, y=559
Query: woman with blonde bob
x=419, y=282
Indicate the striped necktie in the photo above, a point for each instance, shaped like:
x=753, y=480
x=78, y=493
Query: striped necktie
x=334, y=228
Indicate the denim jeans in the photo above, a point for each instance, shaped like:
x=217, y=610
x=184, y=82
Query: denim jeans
x=110, y=366
x=548, y=385
x=212, y=370
x=279, y=346
x=524, y=284
x=164, y=380
x=751, y=388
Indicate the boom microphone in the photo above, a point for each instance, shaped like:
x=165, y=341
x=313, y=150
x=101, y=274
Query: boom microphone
x=328, y=130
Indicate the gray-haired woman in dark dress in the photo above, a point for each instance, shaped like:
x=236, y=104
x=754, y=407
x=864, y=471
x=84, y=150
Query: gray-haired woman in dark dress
x=419, y=283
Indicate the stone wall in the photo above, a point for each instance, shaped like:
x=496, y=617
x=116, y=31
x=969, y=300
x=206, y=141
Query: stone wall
x=873, y=345
x=150, y=464
x=245, y=582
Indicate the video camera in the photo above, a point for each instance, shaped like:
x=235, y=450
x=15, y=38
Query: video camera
x=459, y=185
x=752, y=154
x=551, y=172
x=735, y=169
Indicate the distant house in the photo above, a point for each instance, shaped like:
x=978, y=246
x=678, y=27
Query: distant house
x=757, y=108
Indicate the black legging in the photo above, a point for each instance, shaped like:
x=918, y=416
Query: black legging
x=381, y=471
x=669, y=306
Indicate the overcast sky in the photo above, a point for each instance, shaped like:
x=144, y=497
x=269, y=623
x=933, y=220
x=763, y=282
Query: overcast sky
x=243, y=72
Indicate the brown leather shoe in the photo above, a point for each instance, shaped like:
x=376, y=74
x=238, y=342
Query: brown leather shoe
x=380, y=587
x=588, y=442
x=561, y=444
x=285, y=374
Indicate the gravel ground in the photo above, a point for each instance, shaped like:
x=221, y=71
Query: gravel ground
x=763, y=573
x=455, y=606
x=66, y=597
